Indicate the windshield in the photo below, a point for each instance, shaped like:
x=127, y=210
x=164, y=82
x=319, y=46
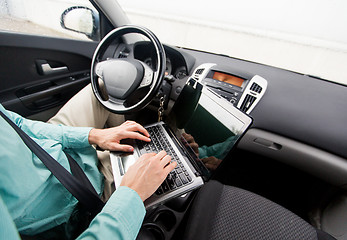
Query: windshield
x=307, y=36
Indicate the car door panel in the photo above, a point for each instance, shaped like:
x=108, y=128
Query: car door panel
x=39, y=73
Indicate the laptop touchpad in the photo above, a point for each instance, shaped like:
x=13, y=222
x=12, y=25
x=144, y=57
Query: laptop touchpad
x=125, y=162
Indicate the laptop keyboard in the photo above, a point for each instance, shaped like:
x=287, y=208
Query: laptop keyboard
x=177, y=177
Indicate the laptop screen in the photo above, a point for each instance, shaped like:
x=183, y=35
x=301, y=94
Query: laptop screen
x=207, y=125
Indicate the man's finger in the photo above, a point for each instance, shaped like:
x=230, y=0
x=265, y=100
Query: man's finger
x=122, y=147
x=160, y=155
x=135, y=135
x=148, y=155
x=165, y=161
x=170, y=167
x=135, y=127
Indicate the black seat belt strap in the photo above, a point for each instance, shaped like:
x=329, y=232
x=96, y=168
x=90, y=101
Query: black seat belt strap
x=77, y=171
x=86, y=197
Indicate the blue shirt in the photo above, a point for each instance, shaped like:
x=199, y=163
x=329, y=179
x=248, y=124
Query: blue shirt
x=35, y=199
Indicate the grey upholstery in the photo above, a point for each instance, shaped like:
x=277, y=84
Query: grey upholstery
x=226, y=212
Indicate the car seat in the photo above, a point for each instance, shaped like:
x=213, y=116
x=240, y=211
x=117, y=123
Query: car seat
x=226, y=212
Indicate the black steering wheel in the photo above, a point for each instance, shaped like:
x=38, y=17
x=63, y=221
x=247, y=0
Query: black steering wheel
x=125, y=85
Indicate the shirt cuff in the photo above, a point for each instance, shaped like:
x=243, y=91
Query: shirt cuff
x=76, y=137
x=127, y=198
x=127, y=205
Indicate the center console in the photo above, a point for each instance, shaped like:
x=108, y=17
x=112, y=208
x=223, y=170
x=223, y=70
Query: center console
x=163, y=222
x=242, y=89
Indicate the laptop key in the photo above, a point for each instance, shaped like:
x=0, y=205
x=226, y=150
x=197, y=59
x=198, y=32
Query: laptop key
x=171, y=183
x=183, y=178
x=159, y=191
x=165, y=186
x=178, y=182
x=173, y=174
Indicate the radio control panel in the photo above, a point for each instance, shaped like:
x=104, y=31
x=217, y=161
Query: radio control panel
x=244, y=91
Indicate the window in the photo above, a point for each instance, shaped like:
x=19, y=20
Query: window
x=308, y=36
x=74, y=19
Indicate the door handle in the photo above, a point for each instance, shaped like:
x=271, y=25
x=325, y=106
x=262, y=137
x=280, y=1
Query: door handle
x=44, y=68
x=47, y=69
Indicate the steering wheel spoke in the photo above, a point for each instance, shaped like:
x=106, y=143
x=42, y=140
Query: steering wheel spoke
x=147, y=77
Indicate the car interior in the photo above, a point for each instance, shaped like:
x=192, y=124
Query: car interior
x=294, y=153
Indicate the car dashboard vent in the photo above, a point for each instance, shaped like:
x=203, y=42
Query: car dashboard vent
x=123, y=55
x=197, y=73
x=256, y=88
x=201, y=71
x=247, y=103
x=252, y=94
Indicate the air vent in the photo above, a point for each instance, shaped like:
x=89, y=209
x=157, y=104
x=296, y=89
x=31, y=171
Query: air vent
x=247, y=103
x=199, y=71
x=252, y=94
x=123, y=55
x=256, y=88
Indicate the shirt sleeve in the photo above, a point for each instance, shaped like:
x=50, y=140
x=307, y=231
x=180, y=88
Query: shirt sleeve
x=121, y=218
x=8, y=229
x=69, y=137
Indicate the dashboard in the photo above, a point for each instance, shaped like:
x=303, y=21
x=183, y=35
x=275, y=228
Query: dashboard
x=298, y=121
x=293, y=122
x=242, y=89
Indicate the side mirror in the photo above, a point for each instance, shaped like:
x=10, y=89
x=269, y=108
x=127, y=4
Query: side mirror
x=82, y=20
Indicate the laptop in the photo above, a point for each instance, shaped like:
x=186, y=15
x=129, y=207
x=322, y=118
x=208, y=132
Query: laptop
x=202, y=128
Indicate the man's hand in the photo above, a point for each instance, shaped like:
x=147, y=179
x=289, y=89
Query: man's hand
x=109, y=138
x=147, y=173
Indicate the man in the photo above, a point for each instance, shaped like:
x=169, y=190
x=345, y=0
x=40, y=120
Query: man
x=32, y=199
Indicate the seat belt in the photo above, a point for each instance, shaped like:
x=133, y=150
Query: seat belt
x=77, y=184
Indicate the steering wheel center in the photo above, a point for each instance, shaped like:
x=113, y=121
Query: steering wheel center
x=121, y=77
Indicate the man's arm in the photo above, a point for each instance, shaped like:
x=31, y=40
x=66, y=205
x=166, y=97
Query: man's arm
x=79, y=137
x=69, y=137
x=122, y=216
x=7, y=227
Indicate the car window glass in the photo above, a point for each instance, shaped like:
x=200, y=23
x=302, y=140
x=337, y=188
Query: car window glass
x=74, y=19
x=308, y=36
